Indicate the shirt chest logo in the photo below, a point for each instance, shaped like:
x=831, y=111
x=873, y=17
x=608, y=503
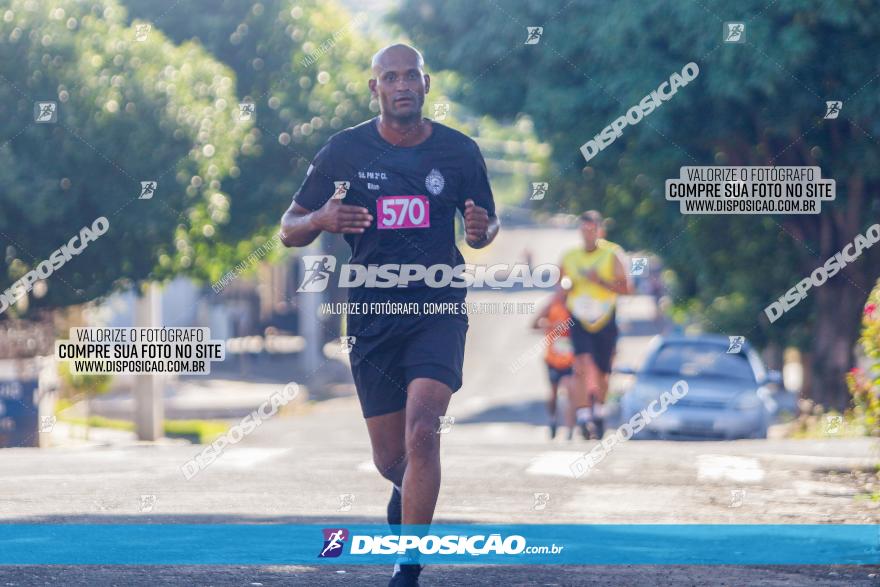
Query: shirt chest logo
x=434, y=182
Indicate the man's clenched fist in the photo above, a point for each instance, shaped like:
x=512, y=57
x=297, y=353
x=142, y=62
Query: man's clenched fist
x=476, y=223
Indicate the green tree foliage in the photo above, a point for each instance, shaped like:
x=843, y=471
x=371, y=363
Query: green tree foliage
x=760, y=102
x=128, y=111
x=305, y=66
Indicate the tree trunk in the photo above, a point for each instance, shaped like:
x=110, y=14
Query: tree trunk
x=838, y=316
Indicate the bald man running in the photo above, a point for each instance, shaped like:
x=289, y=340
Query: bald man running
x=408, y=175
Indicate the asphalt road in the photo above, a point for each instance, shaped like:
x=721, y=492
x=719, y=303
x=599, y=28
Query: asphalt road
x=295, y=468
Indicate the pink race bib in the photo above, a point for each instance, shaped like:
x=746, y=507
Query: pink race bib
x=403, y=212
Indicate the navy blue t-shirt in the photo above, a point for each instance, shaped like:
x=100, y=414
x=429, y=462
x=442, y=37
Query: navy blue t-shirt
x=412, y=192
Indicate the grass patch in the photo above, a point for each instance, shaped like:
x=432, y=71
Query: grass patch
x=197, y=431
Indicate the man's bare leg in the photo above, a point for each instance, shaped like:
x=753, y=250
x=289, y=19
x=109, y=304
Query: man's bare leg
x=427, y=400
x=387, y=437
x=583, y=386
x=588, y=381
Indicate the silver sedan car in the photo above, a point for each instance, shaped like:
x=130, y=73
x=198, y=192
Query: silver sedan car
x=729, y=395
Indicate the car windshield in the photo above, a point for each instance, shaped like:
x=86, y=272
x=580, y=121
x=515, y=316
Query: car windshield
x=700, y=360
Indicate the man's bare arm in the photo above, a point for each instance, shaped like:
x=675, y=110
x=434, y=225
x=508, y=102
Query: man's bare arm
x=300, y=226
x=621, y=284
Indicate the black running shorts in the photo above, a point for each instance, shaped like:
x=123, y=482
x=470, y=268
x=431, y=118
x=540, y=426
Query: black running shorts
x=599, y=345
x=390, y=350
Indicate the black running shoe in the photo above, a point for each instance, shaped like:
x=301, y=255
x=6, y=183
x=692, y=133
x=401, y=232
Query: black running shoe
x=405, y=576
x=552, y=431
x=600, y=428
x=585, y=431
x=395, y=510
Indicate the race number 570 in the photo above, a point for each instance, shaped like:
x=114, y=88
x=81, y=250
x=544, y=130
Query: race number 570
x=403, y=212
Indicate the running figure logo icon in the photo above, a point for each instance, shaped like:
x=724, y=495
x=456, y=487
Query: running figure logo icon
x=639, y=264
x=346, y=500
x=47, y=423
x=541, y=500
x=446, y=423
x=148, y=188
x=535, y=33
x=317, y=274
x=441, y=109
x=832, y=109
x=539, y=190
x=735, y=32
x=346, y=343
x=736, y=343
x=334, y=540
x=341, y=189
x=45, y=112
x=737, y=496
x=246, y=110
x=141, y=32
x=833, y=423
x=147, y=503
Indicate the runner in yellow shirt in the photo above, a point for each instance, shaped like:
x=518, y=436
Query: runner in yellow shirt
x=595, y=277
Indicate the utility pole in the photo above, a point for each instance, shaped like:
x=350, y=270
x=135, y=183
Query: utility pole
x=149, y=411
x=308, y=305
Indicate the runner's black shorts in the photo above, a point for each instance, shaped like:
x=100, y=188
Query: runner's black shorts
x=390, y=350
x=599, y=345
x=556, y=375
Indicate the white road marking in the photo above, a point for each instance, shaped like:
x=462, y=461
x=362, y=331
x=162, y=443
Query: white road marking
x=247, y=458
x=367, y=467
x=729, y=468
x=554, y=463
